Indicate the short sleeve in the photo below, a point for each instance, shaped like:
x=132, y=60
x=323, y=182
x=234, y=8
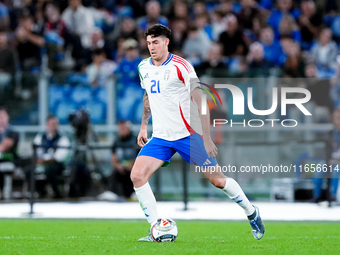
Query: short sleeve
x=141, y=78
x=189, y=75
x=141, y=82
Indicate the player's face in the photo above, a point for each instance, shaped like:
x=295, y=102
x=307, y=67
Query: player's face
x=158, y=46
x=52, y=125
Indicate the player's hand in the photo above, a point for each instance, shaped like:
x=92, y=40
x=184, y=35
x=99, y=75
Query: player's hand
x=210, y=147
x=142, y=138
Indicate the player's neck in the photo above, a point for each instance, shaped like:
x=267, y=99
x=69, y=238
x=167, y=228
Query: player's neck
x=162, y=60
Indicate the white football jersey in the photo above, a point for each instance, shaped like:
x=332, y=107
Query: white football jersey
x=175, y=115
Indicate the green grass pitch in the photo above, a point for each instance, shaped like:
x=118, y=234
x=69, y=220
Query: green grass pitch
x=38, y=237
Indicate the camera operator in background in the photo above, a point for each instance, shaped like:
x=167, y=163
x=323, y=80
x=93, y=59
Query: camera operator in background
x=50, y=158
x=8, y=144
x=124, y=153
x=83, y=134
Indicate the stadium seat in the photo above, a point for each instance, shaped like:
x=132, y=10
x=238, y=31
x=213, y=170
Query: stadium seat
x=81, y=94
x=77, y=79
x=97, y=111
x=63, y=109
x=101, y=94
x=56, y=93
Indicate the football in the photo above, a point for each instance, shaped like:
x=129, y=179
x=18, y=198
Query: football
x=164, y=230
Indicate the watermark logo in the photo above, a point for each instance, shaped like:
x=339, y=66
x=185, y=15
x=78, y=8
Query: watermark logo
x=204, y=97
x=238, y=100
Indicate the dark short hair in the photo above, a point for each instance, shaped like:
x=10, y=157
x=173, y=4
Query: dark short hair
x=158, y=30
x=50, y=117
x=99, y=51
x=193, y=27
x=3, y=108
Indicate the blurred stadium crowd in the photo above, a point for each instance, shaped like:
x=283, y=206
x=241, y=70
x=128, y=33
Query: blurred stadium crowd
x=81, y=45
x=226, y=38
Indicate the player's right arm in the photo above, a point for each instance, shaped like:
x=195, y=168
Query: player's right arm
x=143, y=133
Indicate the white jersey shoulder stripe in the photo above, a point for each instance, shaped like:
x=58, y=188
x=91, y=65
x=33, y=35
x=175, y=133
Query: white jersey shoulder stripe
x=184, y=63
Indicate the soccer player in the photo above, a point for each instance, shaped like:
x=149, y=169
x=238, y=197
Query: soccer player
x=174, y=99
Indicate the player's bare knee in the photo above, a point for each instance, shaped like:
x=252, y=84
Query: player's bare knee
x=138, y=178
x=217, y=182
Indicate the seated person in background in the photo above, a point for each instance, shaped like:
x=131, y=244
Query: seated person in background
x=8, y=63
x=294, y=66
x=256, y=57
x=193, y=45
x=288, y=27
x=320, y=94
x=325, y=50
x=179, y=34
x=310, y=22
x=4, y=17
x=50, y=160
x=283, y=7
x=272, y=49
x=232, y=38
x=250, y=16
x=55, y=29
x=332, y=158
x=29, y=44
x=213, y=61
x=124, y=153
x=8, y=143
x=100, y=69
x=153, y=16
x=79, y=27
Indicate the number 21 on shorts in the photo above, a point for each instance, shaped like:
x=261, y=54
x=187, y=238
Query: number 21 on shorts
x=154, y=85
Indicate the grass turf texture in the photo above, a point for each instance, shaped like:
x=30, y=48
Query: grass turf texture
x=39, y=237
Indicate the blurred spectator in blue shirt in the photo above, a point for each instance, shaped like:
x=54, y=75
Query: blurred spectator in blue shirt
x=325, y=50
x=309, y=21
x=288, y=27
x=284, y=7
x=129, y=91
x=272, y=49
x=153, y=16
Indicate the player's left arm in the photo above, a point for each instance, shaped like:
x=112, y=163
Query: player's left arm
x=209, y=145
